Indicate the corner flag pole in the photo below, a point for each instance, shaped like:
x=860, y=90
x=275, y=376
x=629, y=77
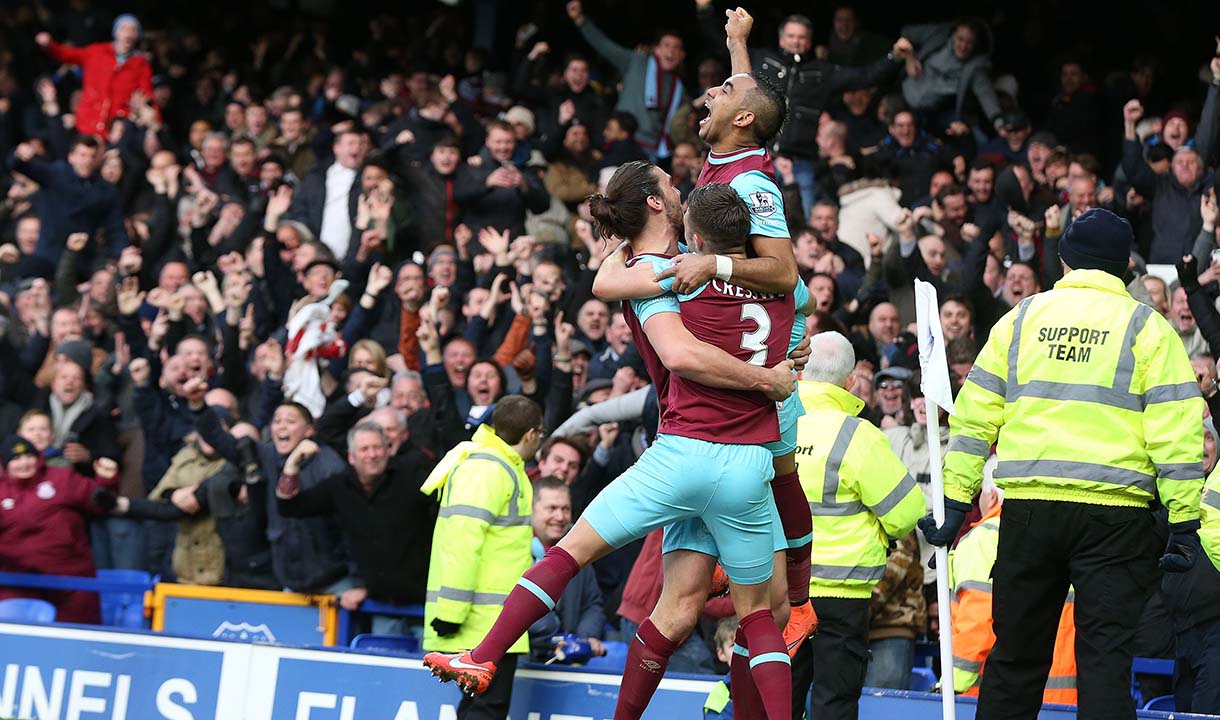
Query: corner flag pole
x=934, y=379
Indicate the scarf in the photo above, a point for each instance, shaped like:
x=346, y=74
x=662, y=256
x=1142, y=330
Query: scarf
x=63, y=418
x=310, y=334
x=666, y=99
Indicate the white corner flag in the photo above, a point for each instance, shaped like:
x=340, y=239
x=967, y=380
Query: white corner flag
x=932, y=363
x=934, y=379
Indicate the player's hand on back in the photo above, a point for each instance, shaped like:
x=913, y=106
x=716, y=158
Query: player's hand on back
x=782, y=382
x=800, y=355
x=689, y=271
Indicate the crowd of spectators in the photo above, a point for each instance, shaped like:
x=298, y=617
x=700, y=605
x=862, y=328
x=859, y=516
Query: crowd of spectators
x=216, y=264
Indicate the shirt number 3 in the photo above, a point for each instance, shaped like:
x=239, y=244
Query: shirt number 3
x=756, y=340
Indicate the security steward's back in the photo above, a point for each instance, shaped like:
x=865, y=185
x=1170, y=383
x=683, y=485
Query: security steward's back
x=1095, y=413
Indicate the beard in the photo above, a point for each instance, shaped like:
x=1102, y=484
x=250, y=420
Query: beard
x=673, y=213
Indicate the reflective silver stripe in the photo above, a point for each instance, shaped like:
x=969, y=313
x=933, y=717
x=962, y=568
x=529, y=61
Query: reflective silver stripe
x=890, y=501
x=1014, y=347
x=1125, y=369
x=1171, y=393
x=1180, y=471
x=466, y=596
x=485, y=515
x=970, y=446
x=1071, y=597
x=980, y=585
x=471, y=511
x=1211, y=498
x=988, y=381
x=970, y=666
x=834, y=509
x=1070, y=469
x=834, y=461
x=515, y=518
x=448, y=593
x=1052, y=683
x=1052, y=390
x=485, y=598
x=841, y=572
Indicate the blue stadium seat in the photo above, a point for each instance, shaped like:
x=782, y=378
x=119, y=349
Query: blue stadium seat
x=124, y=609
x=922, y=679
x=1163, y=703
x=393, y=644
x=27, y=610
x=615, y=658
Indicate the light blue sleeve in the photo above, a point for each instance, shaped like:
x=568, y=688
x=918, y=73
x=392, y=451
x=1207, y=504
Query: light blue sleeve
x=765, y=202
x=663, y=303
x=800, y=297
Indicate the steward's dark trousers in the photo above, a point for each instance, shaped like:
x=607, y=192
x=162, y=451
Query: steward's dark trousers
x=834, y=660
x=1196, y=670
x=493, y=704
x=1109, y=555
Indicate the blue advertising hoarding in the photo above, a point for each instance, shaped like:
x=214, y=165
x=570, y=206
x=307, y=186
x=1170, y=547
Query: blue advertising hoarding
x=75, y=673
x=62, y=677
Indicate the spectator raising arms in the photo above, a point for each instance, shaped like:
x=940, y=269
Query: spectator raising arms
x=235, y=253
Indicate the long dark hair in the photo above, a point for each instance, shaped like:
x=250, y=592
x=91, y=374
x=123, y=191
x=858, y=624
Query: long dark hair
x=622, y=211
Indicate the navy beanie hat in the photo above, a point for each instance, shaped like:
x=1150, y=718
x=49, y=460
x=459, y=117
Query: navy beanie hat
x=1098, y=240
x=14, y=446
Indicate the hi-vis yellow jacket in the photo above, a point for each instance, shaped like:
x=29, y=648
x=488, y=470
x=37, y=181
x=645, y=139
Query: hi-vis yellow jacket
x=970, y=577
x=859, y=492
x=481, y=545
x=1209, y=509
x=1092, y=399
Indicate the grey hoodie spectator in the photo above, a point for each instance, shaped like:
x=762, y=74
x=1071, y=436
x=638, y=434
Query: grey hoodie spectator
x=952, y=63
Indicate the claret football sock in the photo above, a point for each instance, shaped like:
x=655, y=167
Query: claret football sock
x=747, y=705
x=534, y=596
x=647, y=657
x=798, y=529
x=769, y=664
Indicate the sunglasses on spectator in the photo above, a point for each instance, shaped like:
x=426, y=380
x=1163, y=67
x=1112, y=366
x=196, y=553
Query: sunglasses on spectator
x=887, y=384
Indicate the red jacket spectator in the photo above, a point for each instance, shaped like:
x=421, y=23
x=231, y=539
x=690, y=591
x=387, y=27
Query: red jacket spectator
x=44, y=528
x=107, y=83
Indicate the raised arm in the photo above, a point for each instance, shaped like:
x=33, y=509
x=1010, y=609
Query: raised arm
x=61, y=53
x=709, y=27
x=1142, y=178
x=880, y=71
x=1202, y=303
x=737, y=35
x=27, y=163
x=1205, y=241
x=294, y=501
x=1209, y=120
x=617, y=55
